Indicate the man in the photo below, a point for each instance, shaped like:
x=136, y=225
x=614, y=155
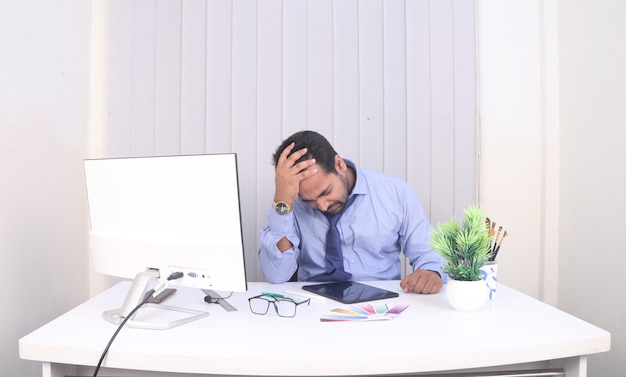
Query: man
x=378, y=217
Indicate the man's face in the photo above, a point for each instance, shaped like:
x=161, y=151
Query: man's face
x=326, y=192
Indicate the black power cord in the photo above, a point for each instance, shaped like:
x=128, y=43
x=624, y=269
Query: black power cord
x=173, y=276
x=119, y=328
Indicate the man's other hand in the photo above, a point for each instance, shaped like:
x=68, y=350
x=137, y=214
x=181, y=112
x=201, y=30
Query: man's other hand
x=422, y=281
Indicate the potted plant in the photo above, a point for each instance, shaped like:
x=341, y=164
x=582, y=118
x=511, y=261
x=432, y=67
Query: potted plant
x=465, y=248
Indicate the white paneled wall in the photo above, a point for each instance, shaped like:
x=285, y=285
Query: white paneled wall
x=392, y=84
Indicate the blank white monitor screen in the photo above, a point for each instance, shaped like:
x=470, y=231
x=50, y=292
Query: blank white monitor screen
x=171, y=213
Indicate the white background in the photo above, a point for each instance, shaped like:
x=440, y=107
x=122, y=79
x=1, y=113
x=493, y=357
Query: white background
x=552, y=94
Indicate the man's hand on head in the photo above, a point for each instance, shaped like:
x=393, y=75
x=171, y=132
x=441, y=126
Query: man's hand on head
x=422, y=281
x=289, y=174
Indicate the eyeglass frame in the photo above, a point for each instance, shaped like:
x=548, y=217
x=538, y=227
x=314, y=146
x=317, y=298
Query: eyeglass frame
x=273, y=298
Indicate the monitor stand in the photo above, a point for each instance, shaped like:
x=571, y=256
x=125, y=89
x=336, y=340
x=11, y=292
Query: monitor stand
x=135, y=296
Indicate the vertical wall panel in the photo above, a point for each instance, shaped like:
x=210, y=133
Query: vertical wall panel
x=345, y=135
x=320, y=66
x=371, y=88
x=465, y=108
x=442, y=113
x=395, y=88
x=167, y=131
x=270, y=105
x=418, y=107
x=143, y=77
x=244, y=115
x=295, y=58
x=119, y=68
x=219, y=78
x=391, y=83
x=270, y=62
x=193, y=77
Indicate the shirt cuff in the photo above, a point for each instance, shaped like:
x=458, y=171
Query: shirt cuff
x=283, y=224
x=435, y=268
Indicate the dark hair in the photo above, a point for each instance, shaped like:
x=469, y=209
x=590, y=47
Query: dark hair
x=317, y=147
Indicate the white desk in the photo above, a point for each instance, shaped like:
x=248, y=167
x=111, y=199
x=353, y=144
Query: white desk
x=513, y=332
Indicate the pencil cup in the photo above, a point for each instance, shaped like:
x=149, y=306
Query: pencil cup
x=490, y=277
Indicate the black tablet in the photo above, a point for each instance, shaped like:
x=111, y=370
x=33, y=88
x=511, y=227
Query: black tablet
x=349, y=292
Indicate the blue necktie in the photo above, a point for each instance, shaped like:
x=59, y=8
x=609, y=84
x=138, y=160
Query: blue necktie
x=334, y=255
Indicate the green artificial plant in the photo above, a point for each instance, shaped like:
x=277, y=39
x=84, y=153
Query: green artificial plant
x=465, y=246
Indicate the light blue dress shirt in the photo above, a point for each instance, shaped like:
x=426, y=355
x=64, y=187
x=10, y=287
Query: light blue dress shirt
x=385, y=220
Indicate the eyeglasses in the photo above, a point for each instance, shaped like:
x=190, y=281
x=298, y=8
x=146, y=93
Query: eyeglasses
x=284, y=306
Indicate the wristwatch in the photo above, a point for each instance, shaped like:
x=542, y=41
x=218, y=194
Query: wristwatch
x=282, y=208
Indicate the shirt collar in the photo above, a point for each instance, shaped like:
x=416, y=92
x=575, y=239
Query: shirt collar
x=359, y=182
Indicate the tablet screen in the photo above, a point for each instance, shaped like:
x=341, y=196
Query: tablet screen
x=349, y=292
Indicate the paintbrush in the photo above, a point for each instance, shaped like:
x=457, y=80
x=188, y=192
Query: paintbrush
x=490, y=226
x=495, y=244
x=497, y=236
x=498, y=243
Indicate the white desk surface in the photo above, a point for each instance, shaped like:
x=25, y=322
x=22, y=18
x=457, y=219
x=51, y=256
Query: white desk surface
x=428, y=336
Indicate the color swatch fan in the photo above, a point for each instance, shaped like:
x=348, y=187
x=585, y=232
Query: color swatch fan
x=363, y=312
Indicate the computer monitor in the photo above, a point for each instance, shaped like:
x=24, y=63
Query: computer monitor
x=156, y=217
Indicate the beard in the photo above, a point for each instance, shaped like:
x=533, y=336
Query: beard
x=335, y=208
x=338, y=205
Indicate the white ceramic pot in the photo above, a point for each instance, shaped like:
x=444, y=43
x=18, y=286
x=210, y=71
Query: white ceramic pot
x=465, y=296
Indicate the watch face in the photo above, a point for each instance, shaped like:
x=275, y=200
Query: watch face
x=282, y=208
